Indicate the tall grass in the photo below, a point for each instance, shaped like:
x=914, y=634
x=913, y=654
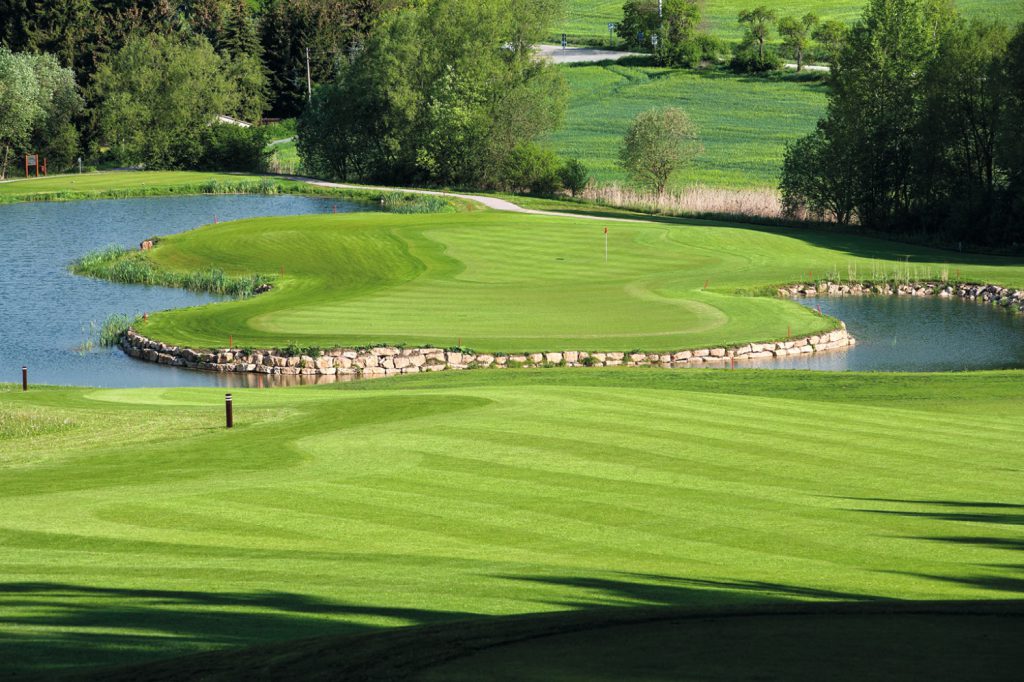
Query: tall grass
x=114, y=327
x=694, y=200
x=117, y=264
x=16, y=422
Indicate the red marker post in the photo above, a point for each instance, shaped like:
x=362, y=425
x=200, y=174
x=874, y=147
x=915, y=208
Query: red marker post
x=606, y=245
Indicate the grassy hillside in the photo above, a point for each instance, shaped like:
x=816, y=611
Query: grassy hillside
x=437, y=498
x=507, y=282
x=588, y=19
x=743, y=123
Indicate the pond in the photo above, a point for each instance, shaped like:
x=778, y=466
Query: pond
x=47, y=314
x=917, y=334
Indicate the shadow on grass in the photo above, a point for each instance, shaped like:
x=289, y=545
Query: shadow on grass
x=51, y=627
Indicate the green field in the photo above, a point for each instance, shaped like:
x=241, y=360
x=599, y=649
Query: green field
x=136, y=527
x=587, y=20
x=743, y=123
x=513, y=283
x=118, y=182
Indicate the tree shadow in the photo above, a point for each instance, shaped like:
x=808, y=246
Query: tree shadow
x=51, y=627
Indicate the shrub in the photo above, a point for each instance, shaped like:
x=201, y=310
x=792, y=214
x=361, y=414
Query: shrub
x=234, y=148
x=574, y=176
x=530, y=167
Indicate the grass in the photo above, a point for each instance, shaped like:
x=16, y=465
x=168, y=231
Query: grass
x=146, y=530
x=743, y=122
x=503, y=282
x=129, y=184
x=587, y=20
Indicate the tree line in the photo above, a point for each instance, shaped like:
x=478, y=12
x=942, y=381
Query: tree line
x=924, y=131
x=148, y=71
x=673, y=31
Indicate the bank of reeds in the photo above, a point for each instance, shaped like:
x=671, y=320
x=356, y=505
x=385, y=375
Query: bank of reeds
x=117, y=264
x=115, y=326
x=696, y=200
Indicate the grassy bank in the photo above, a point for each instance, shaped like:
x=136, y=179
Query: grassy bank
x=134, y=184
x=743, y=123
x=348, y=510
x=504, y=282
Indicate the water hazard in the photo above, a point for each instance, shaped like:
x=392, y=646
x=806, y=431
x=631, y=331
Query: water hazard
x=47, y=314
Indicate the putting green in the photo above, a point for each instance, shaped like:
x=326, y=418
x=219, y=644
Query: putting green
x=513, y=283
x=136, y=527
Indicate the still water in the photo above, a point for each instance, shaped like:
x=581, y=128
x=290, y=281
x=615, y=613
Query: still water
x=46, y=313
x=918, y=334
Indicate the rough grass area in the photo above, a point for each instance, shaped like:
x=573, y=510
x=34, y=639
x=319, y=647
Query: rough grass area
x=24, y=423
x=151, y=531
x=587, y=20
x=744, y=123
x=501, y=282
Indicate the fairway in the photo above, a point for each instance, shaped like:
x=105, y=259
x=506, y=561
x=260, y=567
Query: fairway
x=588, y=20
x=743, y=123
x=438, y=498
x=502, y=282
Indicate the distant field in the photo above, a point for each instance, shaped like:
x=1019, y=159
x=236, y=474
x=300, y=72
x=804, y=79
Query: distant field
x=588, y=20
x=744, y=123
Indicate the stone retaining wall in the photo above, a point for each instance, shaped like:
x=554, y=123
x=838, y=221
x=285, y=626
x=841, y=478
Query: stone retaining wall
x=987, y=293
x=387, y=361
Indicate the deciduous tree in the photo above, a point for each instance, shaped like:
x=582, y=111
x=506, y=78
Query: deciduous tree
x=658, y=143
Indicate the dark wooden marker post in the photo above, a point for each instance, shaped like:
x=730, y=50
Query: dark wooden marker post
x=24, y=378
x=227, y=410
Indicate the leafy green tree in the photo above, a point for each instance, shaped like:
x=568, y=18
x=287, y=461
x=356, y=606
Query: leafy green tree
x=831, y=36
x=156, y=96
x=679, y=34
x=38, y=99
x=639, y=22
x=438, y=94
x=758, y=23
x=1010, y=133
x=796, y=35
x=575, y=176
x=658, y=143
x=531, y=167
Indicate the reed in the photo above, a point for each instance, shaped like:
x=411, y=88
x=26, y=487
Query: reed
x=117, y=264
x=696, y=200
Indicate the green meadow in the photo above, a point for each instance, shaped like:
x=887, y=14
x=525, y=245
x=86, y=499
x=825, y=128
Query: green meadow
x=587, y=20
x=744, y=123
x=136, y=527
x=502, y=282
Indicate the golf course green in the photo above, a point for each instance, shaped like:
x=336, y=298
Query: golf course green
x=504, y=282
x=350, y=508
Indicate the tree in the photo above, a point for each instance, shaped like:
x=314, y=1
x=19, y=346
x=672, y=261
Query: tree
x=438, y=94
x=1010, y=133
x=831, y=36
x=796, y=35
x=658, y=143
x=639, y=22
x=758, y=23
x=679, y=34
x=575, y=176
x=156, y=96
x=38, y=99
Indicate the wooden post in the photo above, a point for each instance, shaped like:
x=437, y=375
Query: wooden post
x=24, y=378
x=227, y=411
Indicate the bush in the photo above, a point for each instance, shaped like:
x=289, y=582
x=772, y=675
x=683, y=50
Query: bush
x=747, y=60
x=530, y=167
x=575, y=176
x=234, y=148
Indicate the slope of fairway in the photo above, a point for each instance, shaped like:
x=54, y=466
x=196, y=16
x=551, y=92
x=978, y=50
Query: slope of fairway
x=588, y=19
x=447, y=497
x=743, y=123
x=503, y=282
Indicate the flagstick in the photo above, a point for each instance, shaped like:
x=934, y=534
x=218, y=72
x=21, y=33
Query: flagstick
x=606, y=245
